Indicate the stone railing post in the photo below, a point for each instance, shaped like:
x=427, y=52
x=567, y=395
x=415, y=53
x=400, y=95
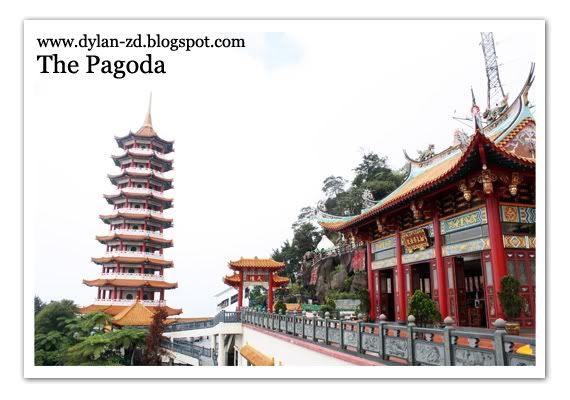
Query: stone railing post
x=499, y=342
x=447, y=349
x=411, y=338
x=303, y=319
x=359, y=337
x=327, y=315
x=315, y=328
x=286, y=324
x=381, y=322
x=294, y=324
x=341, y=335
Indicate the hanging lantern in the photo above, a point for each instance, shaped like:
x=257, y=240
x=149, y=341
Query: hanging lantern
x=467, y=194
x=515, y=181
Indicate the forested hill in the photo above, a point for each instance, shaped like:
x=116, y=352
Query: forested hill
x=373, y=179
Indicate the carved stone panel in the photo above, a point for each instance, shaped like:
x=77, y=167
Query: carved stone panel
x=334, y=335
x=282, y=325
x=309, y=331
x=515, y=360
x=370, y=342
x=350, y=338
x=320, y=332
x=394, y=346
x=429, y=353
x=298, y=328
x=472, y=357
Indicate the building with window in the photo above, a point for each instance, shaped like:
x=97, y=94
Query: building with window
x=134, y=262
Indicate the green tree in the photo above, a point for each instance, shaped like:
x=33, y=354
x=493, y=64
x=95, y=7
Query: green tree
x=423, y=308
x=38, y=305
x=106, y=348
x=333, y=186
x=52, y=317
x=512, y=302
x=258, y=297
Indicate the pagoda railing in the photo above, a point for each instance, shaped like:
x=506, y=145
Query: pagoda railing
x=147, y=152
x=134, y=276
x=403, y=343
x=137, y=232
x=186, y=348
x=144, y=191
x=221, y=317
x=343, y=248
x=145, y=211
x=127, y=302
x=145, y=170
x=134, y=254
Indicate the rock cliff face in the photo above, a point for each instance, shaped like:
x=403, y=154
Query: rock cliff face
x=333, y=274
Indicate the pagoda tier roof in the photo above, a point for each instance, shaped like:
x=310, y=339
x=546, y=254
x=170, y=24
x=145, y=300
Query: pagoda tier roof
x=139, y=195
x=256, y=263
x=135, y=237
x=138, y=283
x=114, y=310
x=141, y=173
x=234, y=280
x=255, y=357
x=146, y=132
x=132, y=260
x=451, y=164
x=164, y=222
x=134, y=315
x=145, y=154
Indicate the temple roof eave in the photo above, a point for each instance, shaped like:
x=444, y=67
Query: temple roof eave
x=445, y=170
x=134, y=283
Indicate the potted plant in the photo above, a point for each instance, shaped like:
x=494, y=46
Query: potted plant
x=424, y=309
x=513, y=303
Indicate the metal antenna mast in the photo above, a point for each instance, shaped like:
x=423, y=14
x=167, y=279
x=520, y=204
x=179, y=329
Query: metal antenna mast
x=495, y=92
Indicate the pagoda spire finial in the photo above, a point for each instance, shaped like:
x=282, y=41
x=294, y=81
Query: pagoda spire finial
x=148, y=118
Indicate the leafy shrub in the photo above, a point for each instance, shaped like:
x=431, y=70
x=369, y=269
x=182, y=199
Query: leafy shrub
x=423, y=308
x=280, y=306
x=512, y=302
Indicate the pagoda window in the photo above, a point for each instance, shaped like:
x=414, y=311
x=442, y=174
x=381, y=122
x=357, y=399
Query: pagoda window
x=141, y=165
x=139, y=185
x=145, y=297
x=143, y=146
x=521, y=229
x=137, y=206
x=129, y=296
x=133, y=248
x=131, y=270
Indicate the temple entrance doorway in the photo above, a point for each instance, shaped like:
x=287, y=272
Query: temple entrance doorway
x=467, y=294
x=386, y=293
x=421, y=278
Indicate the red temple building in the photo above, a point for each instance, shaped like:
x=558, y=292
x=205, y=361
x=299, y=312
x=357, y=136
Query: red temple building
x=461, y=220
x=132, y=268
x=256, y=272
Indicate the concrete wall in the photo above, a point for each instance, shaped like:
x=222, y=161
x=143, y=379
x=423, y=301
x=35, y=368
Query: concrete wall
x=287, y=351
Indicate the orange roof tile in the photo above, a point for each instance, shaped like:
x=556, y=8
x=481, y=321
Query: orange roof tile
x=130, y=283
x=149, y=238
x=114, y=310
x=256, y=357
x=131, y=260
x=134, y=315
x=256, y=263
x=425, y=179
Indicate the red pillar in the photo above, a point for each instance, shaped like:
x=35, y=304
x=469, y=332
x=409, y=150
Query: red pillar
x=270, y=293
x=497, y=248
x=161, y=294
x=240, y=290
x=140, y=294
x=402, y=315
x=441, y=281
x=371, y=286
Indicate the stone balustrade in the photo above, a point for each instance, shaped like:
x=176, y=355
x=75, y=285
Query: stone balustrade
x=402, y=344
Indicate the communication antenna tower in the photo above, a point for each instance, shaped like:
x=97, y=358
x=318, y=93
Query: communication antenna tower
x=495, y=92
